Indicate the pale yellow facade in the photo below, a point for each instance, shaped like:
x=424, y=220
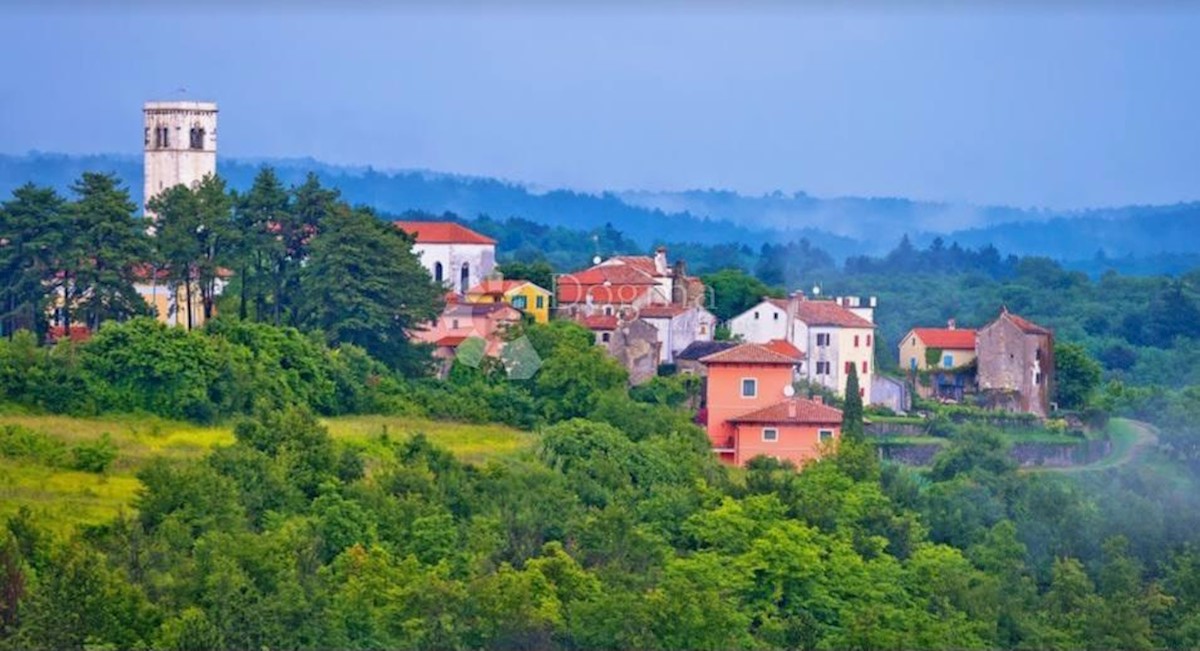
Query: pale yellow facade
x=913, y=351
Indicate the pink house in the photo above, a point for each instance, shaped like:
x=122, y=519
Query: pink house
x=460, y=321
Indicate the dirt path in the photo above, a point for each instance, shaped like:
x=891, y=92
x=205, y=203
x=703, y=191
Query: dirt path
x=1130, y=440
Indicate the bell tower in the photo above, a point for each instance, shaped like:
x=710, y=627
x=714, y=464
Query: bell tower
x=180, y=145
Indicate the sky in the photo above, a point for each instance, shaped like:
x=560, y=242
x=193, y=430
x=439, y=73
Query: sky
x=1059, y=105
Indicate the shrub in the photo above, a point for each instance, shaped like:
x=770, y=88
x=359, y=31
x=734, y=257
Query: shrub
x=94, y=457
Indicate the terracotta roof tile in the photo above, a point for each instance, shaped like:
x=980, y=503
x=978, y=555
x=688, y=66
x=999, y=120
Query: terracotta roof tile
x=449, y=341
x=442, y=233
x=1028, y=327
x=661, y=311
x=947, y=339
x=828, y=313
x=784, y=348
x=601, y=322
x=793, y=411
x=750, y=354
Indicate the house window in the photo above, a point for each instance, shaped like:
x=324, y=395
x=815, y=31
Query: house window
x=912, y=363
x=519, y=302
x=862, y=392
x=437, y=273
x=864, y=368
x=770, y=435
x=856, y=341
x=849, y=367
x=948, y=361
x=540, y=302
x=749, y=387
x=608, y=310
x=1037, y=377
x=703, y=329
x=605, y=337
x=776, y=316
x=868, y=341
x=454, y=324
x=914, y=341
x=756, y=315
x=147, y=142
x=822, y=368
x=823, y=339
x=824, y=435
x=464, y=280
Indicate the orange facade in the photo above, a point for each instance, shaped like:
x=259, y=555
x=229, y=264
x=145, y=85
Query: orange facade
x=726, y=400
x=751, y=412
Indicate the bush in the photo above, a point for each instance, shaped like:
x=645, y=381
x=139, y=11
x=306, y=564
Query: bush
x=17, y=442
x=94, y=457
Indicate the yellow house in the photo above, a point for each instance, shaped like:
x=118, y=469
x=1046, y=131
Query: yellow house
x=521, y=294
x=955, y=346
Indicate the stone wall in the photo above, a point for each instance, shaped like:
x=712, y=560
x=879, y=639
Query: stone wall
x=1027, y=455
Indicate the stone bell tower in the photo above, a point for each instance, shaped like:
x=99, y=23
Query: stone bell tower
x=180, y=145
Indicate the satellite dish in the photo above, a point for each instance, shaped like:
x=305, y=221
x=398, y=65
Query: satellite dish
x=789, y=391
x=596, y=260
x=816, y=290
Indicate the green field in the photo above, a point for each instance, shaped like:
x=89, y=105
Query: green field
x=67, y=497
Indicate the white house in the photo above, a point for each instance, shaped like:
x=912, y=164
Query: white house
x=678, y=326
x=456, y=256
x=833, y=334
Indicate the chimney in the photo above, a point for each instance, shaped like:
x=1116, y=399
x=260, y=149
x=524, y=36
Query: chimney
x=819, y=399
x=951, y=324
x=791, y=408
x=660, y=260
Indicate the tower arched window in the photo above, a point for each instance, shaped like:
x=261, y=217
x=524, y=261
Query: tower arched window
x=438, y=274
x=197, y=137
x=464, y=281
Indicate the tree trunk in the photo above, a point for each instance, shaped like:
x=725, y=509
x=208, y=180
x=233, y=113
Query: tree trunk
x=187, y=292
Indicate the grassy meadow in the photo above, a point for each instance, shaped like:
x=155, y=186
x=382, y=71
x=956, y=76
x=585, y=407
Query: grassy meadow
x=68, y=497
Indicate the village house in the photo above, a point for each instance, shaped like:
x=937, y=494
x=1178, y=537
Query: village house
x=678, y=326
x=687, y=361
x=642, y=290
x=460, y=321
x=751, y=408
x=455, y=256
x=633, y=342
x=835, y=335
x=521, y=294
x=941, y=360
x=1016, y=364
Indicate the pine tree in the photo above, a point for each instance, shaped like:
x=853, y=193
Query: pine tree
x=109, y=243
x=363, y=285
x=852, y=410
x=30, y=225
x=257, y=213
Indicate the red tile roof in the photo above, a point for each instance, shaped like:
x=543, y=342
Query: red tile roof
x=793, y=411
x=642, y=263
x=601, y=294
x=828, y=313
x=784, y=348
x=661, y=311
x=450, y=341
x=78, y=333
x=947, y=339
x=601, y=322
x=1028, y=327
x=496, y=286
x=750, y=354
x=442, y=233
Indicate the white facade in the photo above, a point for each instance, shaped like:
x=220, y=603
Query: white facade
x=180, y=144
x=828, y=348
x=762, y=323
x=676, y=332
x=457, y=266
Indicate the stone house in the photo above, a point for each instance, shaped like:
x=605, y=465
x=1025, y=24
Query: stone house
x=1016, y=365
x=678, y=327
x=634, y=343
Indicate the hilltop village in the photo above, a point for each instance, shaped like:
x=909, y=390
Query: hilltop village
x=762, y=384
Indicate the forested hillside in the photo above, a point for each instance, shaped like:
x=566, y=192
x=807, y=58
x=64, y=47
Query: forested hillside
x=842, y=226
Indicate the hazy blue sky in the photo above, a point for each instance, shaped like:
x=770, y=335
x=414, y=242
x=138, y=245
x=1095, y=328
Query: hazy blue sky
x=1060, y=106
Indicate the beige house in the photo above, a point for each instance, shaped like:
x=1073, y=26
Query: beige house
x=955, y=348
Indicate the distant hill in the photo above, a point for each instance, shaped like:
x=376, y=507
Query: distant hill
x=842, y=226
